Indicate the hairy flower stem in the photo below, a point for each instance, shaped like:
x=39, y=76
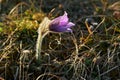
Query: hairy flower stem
x=38, y=48
x=42, y=32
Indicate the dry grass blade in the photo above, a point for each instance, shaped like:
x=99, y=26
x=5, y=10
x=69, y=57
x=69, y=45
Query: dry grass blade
x=41, y=77
x=16, y=8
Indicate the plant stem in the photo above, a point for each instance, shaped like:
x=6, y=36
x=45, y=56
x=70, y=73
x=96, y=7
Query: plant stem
x=38, y=48
x=43, y=30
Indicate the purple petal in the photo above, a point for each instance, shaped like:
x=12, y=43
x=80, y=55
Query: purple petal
x=64, y=19
x=54, y=23
x=61, y=21
x=70, y=24
x=69, y=30
x=61, y=24
x=58, y=29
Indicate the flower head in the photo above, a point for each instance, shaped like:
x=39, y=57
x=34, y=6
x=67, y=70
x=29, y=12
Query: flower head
x=61, y=24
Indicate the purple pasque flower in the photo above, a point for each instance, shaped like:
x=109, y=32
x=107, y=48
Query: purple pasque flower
x=61, y=24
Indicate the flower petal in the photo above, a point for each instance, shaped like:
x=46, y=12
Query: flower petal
x=58, y=29
x=63, y=29
x=61, y=20
x=61, y=24
x=70, y=24
x=64, y=19
x=53, y=24
x=69, y=30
